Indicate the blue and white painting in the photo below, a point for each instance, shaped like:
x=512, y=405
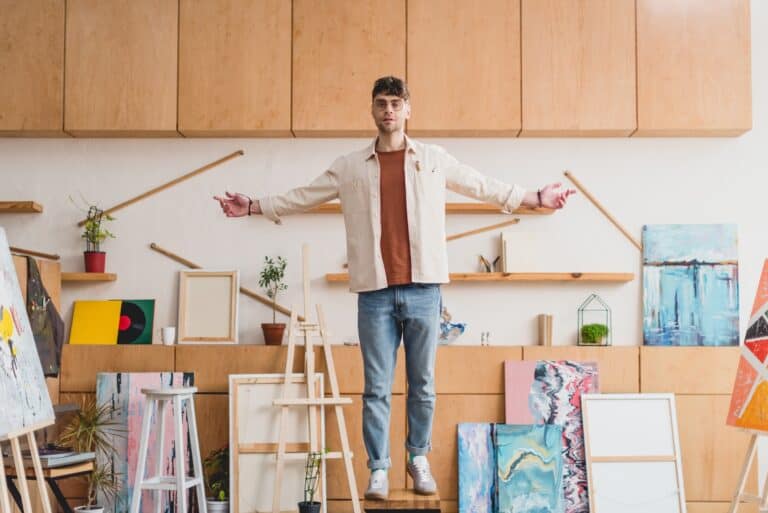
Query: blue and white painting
x=477, y=468
x=690, y=285
x=529, y=461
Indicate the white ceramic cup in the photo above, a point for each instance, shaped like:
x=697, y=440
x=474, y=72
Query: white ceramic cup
x=168, y=335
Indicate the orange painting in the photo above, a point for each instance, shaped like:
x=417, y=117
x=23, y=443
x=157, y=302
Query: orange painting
x=749, y=400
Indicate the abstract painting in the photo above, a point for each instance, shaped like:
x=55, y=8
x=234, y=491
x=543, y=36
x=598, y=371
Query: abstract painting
x=549, y=392
x=477, y=492
x=24, y=396
x=529, y=460
x=123, y=391
x=690, y=285
x=119, y=321
x=749, y=400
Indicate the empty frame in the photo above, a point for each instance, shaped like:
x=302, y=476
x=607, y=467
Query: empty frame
x=208, y=306
x=633, y=453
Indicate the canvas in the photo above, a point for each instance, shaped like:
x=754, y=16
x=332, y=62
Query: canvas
x=123, y=389
x=749, y=400
x=24, y=396
x=690, y=285
x=477, y=493
x=529, y=462
x=549, y=392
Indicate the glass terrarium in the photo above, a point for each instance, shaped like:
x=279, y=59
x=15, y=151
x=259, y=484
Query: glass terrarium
x=595, y=327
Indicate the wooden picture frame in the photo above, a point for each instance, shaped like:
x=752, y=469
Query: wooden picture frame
x=208, y=306
x=254, y=424
x=632, y=451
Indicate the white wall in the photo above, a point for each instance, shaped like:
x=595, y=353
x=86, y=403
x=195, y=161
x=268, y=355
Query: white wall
x=641, y=181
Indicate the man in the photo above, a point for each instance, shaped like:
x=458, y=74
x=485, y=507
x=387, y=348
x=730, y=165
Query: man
x=393, y=199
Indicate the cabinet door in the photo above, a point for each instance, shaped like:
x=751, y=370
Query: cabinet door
x=235, y=68
x=31, y=67
x=693, y=67
x=340, y=48
x=464, y=67
x=121, y=67
x=578, y=67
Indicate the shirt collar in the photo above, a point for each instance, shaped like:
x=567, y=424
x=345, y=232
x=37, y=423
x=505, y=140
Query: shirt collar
x=409, y=148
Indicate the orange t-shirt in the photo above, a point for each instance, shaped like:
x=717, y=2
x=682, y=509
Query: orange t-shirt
x=395, y=244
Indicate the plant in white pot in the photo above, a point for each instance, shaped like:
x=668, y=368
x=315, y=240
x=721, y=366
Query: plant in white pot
x=216, y=467
x=271, y=280
x=92, y=429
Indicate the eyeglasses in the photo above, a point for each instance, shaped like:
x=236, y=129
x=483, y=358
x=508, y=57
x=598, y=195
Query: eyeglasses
x=396, y=104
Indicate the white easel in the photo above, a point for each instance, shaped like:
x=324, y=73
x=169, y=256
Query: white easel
x=308, y=330
x=750, y=458
x=21, y=475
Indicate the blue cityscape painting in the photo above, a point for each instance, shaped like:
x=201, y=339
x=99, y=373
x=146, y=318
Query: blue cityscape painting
x=690, y=285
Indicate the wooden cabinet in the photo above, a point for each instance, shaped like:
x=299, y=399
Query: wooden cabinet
x=340, y=48
x=121, y=67
x=693, y=67
x=235, y=68
x=31, y=67
x=464, y=67
x=578, y=67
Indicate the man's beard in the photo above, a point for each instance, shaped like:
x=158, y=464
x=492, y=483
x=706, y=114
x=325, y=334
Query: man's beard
x=387, y=129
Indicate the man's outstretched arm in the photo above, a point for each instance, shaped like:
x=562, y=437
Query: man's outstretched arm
x=322, y=189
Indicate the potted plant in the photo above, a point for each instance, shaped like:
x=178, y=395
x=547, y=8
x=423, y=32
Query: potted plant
x=94, y=234
x=92, y=429
x=311, y=473
x=594, y=334
x=216, y=467
x=271, y=280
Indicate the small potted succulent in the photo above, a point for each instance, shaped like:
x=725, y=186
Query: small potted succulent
x=311, y=473
x=92, y=429
x=593, y=334
x=271, y=280
x=216, y=467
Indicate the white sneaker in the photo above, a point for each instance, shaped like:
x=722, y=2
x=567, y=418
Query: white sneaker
x=378, y=486
x=423, y=482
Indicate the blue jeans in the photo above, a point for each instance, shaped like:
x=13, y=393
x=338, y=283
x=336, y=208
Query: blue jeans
x=410, y=312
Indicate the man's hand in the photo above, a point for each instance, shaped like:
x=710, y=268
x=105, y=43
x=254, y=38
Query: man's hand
x=552, y=196
x=236, y=205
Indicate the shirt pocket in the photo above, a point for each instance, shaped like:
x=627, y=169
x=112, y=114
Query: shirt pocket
x=354, y=193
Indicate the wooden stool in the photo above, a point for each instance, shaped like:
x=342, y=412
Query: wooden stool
x=404, y=501
x=156, y=400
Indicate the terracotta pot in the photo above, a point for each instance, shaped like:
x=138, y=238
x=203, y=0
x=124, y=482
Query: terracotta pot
x=273, y=333
x=95, y=261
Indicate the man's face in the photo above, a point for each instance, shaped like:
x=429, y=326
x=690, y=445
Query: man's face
x=390, y=112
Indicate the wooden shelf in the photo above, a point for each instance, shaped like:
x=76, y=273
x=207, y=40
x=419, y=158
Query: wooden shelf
x=20, y=207
x=450, y=208
x=85, y=277
x=529, y=277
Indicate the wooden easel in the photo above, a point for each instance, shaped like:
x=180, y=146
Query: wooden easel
x=308, y=330
x=740, y=496
x=18, y=460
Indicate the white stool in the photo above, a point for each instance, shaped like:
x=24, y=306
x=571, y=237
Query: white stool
x=156, y=399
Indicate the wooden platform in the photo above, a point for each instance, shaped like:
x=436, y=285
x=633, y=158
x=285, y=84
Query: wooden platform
x=404, y=501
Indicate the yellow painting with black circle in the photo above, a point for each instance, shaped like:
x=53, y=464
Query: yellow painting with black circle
x=24, y=396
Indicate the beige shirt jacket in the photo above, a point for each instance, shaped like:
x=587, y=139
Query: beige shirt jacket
x=354, y=179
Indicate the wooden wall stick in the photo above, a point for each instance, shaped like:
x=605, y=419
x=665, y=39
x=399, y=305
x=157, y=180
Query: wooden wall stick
x=248, y=292
x=50, y=256
x=602, y=209
x=481, y=230
x=170, y=184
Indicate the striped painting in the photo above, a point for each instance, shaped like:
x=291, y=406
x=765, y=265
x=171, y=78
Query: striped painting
x=690, y=285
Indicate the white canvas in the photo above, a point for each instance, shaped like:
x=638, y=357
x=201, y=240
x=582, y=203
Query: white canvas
x=253, y=418
x=633, y=453
x=24, y=398
x=208, y=306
